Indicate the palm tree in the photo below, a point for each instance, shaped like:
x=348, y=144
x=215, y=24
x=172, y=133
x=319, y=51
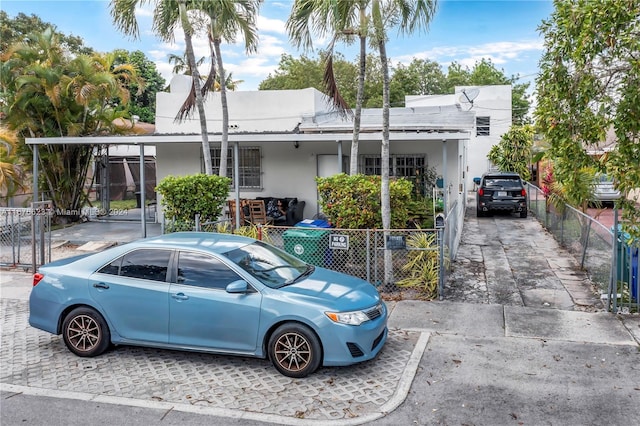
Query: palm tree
x=51, y=94
x=167, y=15
x=10, y=172
x=344, y=19
x=181, y=64
x=408, y=16
x=228, y=18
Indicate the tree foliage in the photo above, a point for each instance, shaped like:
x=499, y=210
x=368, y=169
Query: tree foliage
x=419, y=77
x=513, y=152
x=14, y=30
x=589, y=84
x=143, y=90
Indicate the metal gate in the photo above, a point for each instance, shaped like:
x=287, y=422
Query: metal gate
x=25, y=237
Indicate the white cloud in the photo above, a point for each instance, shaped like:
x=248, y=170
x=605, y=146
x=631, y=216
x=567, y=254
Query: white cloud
x=271, y=25
x=500, y=53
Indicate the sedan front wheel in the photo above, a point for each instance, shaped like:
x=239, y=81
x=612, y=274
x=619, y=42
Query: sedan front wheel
x=85, y=332
x=295, y=350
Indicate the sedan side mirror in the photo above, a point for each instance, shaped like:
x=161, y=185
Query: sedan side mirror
x=239, y=286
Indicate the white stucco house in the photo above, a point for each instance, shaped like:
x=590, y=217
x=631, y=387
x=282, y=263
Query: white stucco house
x=492, y=107
x=284, y=139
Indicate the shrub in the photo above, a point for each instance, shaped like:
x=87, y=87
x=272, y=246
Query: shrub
x=353, y=201
x=185, y=196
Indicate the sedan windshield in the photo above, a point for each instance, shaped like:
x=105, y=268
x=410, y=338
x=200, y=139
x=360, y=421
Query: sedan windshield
x=271, y=266
x=503, y=182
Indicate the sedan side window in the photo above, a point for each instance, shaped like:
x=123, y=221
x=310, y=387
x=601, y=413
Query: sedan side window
x=146, y=264
x=200, y=270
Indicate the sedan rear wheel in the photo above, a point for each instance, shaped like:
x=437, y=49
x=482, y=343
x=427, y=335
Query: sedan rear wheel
x=85, y=332
x=295, y=350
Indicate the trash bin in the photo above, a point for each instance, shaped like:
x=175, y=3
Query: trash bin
x=627, y=265
x=309, y=241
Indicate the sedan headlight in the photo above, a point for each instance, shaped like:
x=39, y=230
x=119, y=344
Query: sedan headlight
x=351, y=318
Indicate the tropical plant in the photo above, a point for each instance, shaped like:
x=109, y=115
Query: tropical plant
x=10, y=170
x=167, y=16
x=589, y=84
x=423, y=265
x=48, y=93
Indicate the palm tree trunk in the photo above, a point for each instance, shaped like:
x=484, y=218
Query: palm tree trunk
x=359, y=100
x=385, y=200
x=188, y=31
x=224, y=144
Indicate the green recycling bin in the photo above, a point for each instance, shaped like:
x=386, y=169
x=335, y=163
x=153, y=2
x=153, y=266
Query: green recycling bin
x=307, y=244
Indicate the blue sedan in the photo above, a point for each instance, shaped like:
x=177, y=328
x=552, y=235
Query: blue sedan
x=210, y=292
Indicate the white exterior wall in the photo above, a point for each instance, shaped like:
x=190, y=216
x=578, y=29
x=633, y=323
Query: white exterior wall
x=290, y=172
x=493, y=102
x=250, y=111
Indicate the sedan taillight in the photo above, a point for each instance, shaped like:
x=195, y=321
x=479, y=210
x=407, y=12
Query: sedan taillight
x=481, y=192
x=524, y=192
x=36, y=278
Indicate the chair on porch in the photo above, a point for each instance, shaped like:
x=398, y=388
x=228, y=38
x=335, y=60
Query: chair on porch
x=259, y=213
x=244, y=220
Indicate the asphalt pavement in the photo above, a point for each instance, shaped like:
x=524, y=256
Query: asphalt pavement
x=520, y=338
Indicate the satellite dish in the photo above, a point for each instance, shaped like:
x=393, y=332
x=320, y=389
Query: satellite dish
x=467, y=97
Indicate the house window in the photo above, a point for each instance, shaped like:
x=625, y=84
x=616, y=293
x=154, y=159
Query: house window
x=406, y=165
x=483, y=125
x=250, y=166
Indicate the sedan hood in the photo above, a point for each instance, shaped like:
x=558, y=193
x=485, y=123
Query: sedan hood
x=334, y=288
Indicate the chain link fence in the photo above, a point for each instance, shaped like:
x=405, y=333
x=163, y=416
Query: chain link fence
x=25, y=237
x=395, y=261
x=606, y=259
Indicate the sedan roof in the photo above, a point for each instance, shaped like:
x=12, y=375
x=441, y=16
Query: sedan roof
x=209, y=241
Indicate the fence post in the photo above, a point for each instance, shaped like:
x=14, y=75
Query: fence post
x=197, y=226
x=368, y=258
x=440, y=226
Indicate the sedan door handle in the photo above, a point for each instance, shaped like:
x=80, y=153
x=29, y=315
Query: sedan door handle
x=180, y=296
x=100, y=285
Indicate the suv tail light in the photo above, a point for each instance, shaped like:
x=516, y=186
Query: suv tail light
x=36, y=278
x=524, y=192
x=481, y=192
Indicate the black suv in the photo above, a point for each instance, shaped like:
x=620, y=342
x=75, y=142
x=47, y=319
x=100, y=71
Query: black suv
x=501, y=191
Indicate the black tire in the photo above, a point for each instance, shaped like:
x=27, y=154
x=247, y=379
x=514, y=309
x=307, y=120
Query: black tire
x=295, y=350
x=479, y=213
x=85, y=332
x=523, y=214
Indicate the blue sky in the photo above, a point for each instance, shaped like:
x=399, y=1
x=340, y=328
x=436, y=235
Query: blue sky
x=463, y=31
